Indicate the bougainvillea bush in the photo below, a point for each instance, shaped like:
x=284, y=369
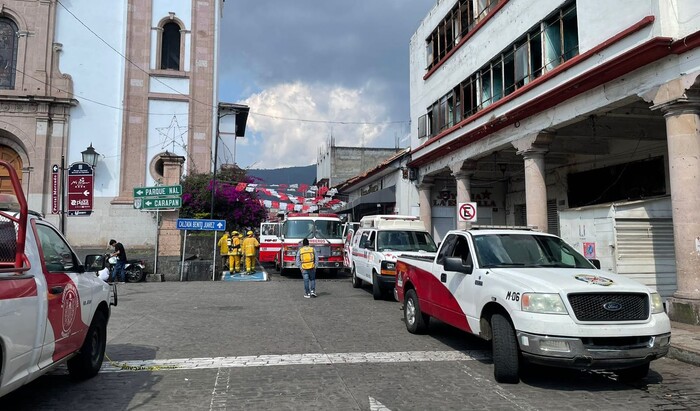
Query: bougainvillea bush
x=241, y=209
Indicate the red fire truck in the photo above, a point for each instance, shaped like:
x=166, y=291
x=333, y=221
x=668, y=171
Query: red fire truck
x=325, y=234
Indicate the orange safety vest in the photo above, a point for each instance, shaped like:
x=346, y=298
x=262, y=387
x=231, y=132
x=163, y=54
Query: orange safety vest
x=307, y=257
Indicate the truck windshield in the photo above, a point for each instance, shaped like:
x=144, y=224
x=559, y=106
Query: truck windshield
x=324, y=229
x=526, y=250
x=405, y=241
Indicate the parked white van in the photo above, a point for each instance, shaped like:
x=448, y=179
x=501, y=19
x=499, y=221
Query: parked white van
x=379, y=241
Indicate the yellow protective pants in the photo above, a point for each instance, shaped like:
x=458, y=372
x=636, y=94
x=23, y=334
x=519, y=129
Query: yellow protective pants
x=249, y=263
x=234, y=263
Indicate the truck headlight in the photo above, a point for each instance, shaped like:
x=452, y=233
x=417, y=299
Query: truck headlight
x=657, y=304
x=290, y=251
x=336, y=252
x=388, y=268
x=542, y=303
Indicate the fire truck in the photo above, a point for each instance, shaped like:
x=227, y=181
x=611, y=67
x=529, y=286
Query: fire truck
x=325, y=234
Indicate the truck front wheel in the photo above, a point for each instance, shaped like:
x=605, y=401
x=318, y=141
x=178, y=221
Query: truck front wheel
x=88, y=360
x=376, y=290
x=356, y=282
x=506, y=355
x=416, y=321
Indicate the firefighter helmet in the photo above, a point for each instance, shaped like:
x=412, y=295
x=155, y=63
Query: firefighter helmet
x=249, y=233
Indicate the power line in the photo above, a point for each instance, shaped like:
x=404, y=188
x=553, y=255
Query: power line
x=209, y=105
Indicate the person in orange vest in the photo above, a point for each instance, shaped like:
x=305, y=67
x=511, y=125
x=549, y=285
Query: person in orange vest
x=307, y=261
x=250, y=247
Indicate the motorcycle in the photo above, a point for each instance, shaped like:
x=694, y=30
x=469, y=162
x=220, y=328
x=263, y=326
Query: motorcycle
x=133, y=269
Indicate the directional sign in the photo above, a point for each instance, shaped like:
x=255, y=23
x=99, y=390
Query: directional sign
x=200, y=225
x=80, y=183
x=152, y=203
x=158, y=191
x=467, y=212
x=54, y=189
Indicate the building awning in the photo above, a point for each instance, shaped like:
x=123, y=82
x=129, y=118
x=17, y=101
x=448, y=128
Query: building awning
x=383, y=196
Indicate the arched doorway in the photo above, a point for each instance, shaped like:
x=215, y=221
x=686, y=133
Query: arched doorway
x=11, y=156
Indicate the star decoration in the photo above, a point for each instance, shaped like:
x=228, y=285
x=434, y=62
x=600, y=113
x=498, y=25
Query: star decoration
x=173, y=135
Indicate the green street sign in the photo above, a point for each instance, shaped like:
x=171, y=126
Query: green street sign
x=153, y=203
x=157, y=191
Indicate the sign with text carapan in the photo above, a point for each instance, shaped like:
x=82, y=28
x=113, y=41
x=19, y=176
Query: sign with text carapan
x=200, y=225
x=80, y=183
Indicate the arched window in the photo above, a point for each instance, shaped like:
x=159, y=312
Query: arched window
x=8, y=53
x=170, y=47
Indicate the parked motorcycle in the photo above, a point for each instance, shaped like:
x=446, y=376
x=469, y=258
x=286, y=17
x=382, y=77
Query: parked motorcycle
x=133, y=269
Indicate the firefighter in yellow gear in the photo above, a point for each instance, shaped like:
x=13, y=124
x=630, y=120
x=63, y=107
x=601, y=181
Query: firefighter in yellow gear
x=250, y=246
x=224, y=242
x=234, y=256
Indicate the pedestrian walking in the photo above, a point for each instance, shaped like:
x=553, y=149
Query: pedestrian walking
x=307, y=261
x=250, y=247
x=118, y=273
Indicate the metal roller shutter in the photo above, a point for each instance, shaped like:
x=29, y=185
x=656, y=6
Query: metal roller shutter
x=645, y=252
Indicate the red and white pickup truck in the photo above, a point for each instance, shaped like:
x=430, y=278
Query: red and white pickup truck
x=537, y=300
x=53, y=309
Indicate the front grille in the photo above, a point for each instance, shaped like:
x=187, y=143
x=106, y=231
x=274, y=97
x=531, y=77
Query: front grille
x=323, y=251
x=592, y=307
x=613, y=343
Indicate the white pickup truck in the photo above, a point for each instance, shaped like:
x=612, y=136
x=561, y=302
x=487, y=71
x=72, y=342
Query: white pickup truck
x=53, y=309
x=537, y=300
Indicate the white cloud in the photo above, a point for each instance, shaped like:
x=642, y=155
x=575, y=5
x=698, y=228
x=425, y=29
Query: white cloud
x=283, y=143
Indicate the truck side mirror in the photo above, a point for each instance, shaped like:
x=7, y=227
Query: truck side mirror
x=455, y=264
x=595, y=262
x=94, y=262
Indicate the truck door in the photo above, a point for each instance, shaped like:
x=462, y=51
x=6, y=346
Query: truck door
x=456, y=298
x=66, y=326
x=270, y=242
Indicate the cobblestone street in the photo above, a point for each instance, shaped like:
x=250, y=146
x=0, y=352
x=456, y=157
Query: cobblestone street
x=227, y=345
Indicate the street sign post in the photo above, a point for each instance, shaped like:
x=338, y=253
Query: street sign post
x=157, y=197
x=200, y=224
x=80, y=182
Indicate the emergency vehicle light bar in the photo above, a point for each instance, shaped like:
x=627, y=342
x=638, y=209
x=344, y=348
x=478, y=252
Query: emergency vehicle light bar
x=503, y=227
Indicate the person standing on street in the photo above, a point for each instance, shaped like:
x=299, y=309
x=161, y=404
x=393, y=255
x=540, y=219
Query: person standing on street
x=250, y=246
x=224, y=243
x=234, y=260
x=307, y=261
x=118, y=274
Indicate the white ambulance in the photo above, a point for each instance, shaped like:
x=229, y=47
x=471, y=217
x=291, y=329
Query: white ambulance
x=379, y=241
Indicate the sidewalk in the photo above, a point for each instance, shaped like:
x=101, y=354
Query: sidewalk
x=685, y=343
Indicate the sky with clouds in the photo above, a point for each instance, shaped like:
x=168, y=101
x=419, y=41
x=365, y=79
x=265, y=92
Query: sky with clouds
x=309, y=69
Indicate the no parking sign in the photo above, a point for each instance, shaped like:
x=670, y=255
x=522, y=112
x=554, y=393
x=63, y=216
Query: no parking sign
x=466, y=212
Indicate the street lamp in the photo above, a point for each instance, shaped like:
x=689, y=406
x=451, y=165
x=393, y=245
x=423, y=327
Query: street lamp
x=223, y=110
x=90, y=156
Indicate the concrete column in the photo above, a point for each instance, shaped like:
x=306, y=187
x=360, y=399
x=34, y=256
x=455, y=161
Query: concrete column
x=679, y=100
x=683, y=133
x=533, y=149
x=463, y=172
x=426, y=210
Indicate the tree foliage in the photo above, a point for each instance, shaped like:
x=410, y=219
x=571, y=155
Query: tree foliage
x=240, y=209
